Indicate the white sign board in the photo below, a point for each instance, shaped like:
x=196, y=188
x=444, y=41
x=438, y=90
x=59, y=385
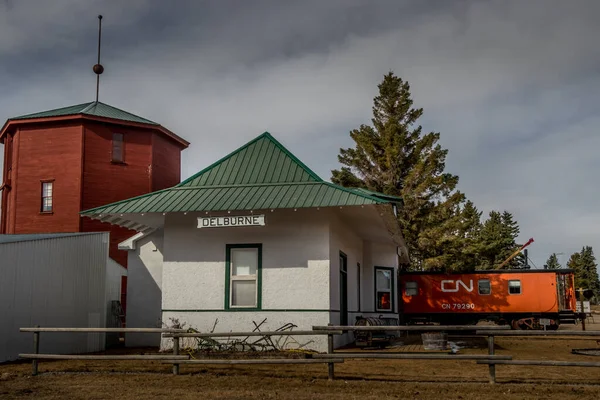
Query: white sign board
x=231, y=221
x=586, y=307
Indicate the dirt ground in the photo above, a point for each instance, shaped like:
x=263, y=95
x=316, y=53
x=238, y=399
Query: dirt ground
x=355, y=379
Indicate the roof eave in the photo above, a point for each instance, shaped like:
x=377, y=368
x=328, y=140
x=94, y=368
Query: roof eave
x=123, y=222
x=130, y=243
x=14, y=122
x=392, y=224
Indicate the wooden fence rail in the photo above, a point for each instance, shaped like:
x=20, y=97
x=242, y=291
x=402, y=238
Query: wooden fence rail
x=515, y=333
x=412, y=328
x=257, y=333
x=546, y=363
x=102, y=330
x=175, y=334
x=36, y=344
x=331, y=358
x=537, y=333
x=482, y=330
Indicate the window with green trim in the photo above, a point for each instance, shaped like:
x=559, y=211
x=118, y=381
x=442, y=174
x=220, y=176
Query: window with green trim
x=243, y=280
x=384, y=289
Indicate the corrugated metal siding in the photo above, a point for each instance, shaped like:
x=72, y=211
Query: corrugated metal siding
x=58, y=282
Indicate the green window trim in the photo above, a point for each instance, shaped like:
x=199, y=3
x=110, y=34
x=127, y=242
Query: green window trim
x=228, y=248
x=392, y=289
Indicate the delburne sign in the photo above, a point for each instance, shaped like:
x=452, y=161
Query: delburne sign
x=229, y=221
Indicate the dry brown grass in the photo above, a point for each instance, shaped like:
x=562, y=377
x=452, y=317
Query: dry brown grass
x=356, y=379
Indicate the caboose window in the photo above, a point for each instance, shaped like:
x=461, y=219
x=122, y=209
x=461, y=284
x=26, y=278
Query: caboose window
x=384, y=287
x=484, y=286
x=514, y=287
x=411, y=288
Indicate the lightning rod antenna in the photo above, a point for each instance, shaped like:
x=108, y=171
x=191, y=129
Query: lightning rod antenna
x=98, y=68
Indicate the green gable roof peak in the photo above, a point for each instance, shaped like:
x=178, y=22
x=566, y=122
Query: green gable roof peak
x=93, y=108
x=262, y=160
x=260, y=175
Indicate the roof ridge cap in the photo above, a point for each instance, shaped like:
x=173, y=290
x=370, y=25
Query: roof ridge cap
x=246, y=185
x=89, y=106
x=126, y=112
x=225, y=157
x=293, y=157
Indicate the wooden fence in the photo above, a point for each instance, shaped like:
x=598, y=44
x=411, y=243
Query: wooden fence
x=35, y=356
x=493, y=363
x=330, y=358
x=175, y=359
x=416, y=328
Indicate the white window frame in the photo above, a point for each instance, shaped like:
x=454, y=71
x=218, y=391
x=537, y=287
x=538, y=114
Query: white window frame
x=50, y=183
x=384, y=290
x=233, y=278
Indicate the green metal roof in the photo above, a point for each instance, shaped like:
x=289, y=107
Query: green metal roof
x=262, y=160
x=262, y=174
x=97, y=109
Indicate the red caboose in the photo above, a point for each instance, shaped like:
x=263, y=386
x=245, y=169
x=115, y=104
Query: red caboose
x=517, y=297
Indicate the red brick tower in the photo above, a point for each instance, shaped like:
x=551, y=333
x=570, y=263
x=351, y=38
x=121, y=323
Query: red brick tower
x=59, y=162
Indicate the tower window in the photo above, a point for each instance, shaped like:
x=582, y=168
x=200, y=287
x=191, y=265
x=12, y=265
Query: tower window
x=47, y=196
x=117, y=147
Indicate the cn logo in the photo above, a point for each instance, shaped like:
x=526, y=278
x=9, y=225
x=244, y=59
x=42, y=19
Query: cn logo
x=452, y=286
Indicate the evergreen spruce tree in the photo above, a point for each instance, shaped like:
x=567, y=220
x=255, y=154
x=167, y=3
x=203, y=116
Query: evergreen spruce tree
x=497, y=241
x=468, y=258
x=552, y=262
x=394, y=157
x=589, y=271
x=574, y=263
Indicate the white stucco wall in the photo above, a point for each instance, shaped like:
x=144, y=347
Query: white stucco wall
x=378, y=255
x=144, y=289
x=295, y=271
x=300, y=274
x=342, y=238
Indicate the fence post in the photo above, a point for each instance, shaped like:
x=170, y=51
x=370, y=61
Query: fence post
x=175, y=353
x=330, y=351
x=36, y=350
x=491, y=353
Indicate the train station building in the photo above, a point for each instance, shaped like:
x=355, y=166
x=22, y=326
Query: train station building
x=257, y=238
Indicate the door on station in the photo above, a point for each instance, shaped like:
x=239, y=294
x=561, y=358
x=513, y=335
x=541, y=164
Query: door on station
x=343, y=289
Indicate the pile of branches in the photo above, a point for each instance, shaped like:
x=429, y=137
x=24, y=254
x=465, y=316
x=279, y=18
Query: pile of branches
x=248, y=344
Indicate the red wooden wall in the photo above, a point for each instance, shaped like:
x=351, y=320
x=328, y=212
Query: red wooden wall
x=45, y=153
x=78, y=156
x=166, y=163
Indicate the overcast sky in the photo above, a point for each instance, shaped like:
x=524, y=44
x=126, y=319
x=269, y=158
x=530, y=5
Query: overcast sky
x=512, y=86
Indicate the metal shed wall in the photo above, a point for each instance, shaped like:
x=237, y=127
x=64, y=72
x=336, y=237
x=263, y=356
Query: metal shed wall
x=53, y=282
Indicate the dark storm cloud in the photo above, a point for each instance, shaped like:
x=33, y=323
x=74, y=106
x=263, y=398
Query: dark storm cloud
x=511, y=85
